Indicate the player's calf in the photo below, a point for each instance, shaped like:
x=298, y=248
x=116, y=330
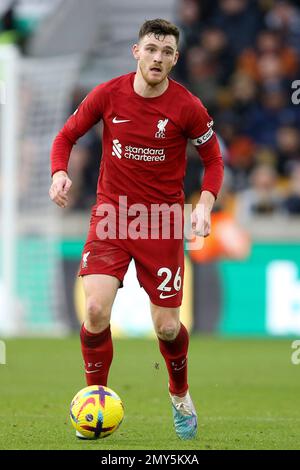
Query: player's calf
x=97, y=352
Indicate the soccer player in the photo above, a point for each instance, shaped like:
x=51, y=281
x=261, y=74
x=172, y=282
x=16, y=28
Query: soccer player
x=148, y=119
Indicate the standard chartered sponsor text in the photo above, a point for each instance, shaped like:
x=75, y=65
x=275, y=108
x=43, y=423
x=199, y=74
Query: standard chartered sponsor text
x=146, y=154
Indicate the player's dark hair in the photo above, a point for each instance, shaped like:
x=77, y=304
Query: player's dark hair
x=159, y=27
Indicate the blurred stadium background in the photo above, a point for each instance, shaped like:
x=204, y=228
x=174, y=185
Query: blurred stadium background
x=242, y=59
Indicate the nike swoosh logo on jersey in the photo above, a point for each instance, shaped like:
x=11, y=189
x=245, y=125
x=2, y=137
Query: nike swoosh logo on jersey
x=118, y=121
x=162, y=296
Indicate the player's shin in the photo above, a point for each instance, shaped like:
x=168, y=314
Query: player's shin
x=97, y=352
x=175, y=355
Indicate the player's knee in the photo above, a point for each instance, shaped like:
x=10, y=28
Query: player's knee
x=97, y=314
x=167, y=331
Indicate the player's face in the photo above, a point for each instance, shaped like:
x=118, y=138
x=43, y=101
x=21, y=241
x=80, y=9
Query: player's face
x=156, y=56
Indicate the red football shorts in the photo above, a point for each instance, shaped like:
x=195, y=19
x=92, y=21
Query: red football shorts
x=159, y=263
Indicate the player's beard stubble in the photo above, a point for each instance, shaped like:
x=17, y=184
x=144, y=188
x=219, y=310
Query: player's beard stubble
x=154, y=80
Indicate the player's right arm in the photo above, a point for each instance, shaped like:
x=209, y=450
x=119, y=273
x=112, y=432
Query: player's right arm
x=88, y=113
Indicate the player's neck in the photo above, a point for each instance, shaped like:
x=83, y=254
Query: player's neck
x=142, y=88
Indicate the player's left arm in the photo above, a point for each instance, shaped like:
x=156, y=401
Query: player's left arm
x=204, y=138
x=210, y=155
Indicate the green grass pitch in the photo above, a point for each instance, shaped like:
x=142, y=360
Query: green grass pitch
x=246, y=393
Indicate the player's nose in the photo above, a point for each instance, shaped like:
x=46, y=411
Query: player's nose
x=158, y=57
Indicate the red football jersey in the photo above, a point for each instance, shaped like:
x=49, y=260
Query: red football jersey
x=144, y=141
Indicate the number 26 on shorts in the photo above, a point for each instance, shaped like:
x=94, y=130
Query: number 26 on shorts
x=169, y=280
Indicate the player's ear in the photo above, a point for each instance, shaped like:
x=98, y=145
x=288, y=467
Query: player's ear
x=136, y=51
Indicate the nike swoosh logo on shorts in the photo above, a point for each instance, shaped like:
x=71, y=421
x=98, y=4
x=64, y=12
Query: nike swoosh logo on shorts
x=162, y=296
x=118, y=121
x=92, y=371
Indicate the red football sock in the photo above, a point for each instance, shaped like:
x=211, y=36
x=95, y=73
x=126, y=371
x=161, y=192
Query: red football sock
x=97, y=351
x=175, y=355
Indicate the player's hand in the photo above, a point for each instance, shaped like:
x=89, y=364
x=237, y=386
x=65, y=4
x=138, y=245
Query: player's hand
x=200, y=218
x=59, y=189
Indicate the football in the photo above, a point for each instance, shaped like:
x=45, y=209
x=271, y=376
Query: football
x=96, y=412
